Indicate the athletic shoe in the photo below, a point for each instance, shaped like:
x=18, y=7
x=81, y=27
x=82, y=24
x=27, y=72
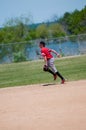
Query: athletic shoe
x=55, y=76
x=63, y=81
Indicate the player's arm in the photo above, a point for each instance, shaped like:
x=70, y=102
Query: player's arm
x=58, y=55
x=45, y=58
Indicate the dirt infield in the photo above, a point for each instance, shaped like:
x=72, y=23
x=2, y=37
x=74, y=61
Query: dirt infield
x=38, y=107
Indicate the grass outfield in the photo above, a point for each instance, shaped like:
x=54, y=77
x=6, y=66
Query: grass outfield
x=15, y=74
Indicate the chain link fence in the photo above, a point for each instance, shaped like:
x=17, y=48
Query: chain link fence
x=24, y=51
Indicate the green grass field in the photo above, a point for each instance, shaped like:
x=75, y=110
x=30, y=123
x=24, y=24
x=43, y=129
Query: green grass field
x=24, y=73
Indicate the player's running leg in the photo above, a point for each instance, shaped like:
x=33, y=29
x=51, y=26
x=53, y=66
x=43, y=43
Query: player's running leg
x=51, y=64
x=47, y=69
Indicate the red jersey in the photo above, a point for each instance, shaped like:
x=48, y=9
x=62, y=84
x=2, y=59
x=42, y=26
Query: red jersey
x=46, y=52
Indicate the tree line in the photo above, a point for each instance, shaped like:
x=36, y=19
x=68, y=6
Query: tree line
x=20, y=29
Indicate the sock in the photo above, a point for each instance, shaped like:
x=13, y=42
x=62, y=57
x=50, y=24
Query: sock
x=62, y=78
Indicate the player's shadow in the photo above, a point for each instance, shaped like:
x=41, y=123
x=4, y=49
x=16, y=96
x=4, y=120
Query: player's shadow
x=48, y=84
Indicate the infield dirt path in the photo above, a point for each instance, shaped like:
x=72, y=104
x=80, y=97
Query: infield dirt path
x=37, y=107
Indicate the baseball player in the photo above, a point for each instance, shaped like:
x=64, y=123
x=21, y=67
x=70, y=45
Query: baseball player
x=49, y=61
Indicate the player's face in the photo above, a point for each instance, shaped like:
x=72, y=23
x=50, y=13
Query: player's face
x=40, y=45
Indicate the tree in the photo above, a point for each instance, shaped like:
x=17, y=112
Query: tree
x=2, y=34
x=41, y=31
x=75, y=22
x=16, y=29
x=56, y=30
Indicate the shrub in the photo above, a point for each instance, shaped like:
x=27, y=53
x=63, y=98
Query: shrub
x=19, y=57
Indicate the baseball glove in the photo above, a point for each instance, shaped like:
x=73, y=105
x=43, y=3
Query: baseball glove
x=45, y=68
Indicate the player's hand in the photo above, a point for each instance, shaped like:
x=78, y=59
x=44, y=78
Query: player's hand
x=58, y=55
